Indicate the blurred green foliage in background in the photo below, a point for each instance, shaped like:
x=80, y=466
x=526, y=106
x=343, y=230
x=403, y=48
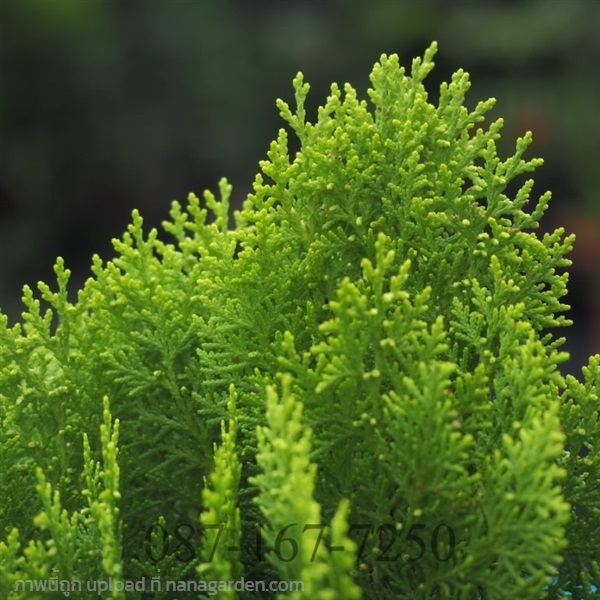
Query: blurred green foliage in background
x=107, y=105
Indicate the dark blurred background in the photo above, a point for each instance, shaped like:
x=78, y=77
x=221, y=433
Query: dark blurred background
x=110, y=105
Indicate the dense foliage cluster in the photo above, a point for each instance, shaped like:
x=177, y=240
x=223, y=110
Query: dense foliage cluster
x=355, y=386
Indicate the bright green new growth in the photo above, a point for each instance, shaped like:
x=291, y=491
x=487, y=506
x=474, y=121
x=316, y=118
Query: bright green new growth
x=377, y=333
x=286, y=487
x=220, y=509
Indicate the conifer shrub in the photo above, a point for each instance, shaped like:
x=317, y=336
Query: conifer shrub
x=355, y=385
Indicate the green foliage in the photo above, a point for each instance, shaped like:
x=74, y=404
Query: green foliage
x=90, y=536
x=220, y=509
x=287, y=502
x=389, y=280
